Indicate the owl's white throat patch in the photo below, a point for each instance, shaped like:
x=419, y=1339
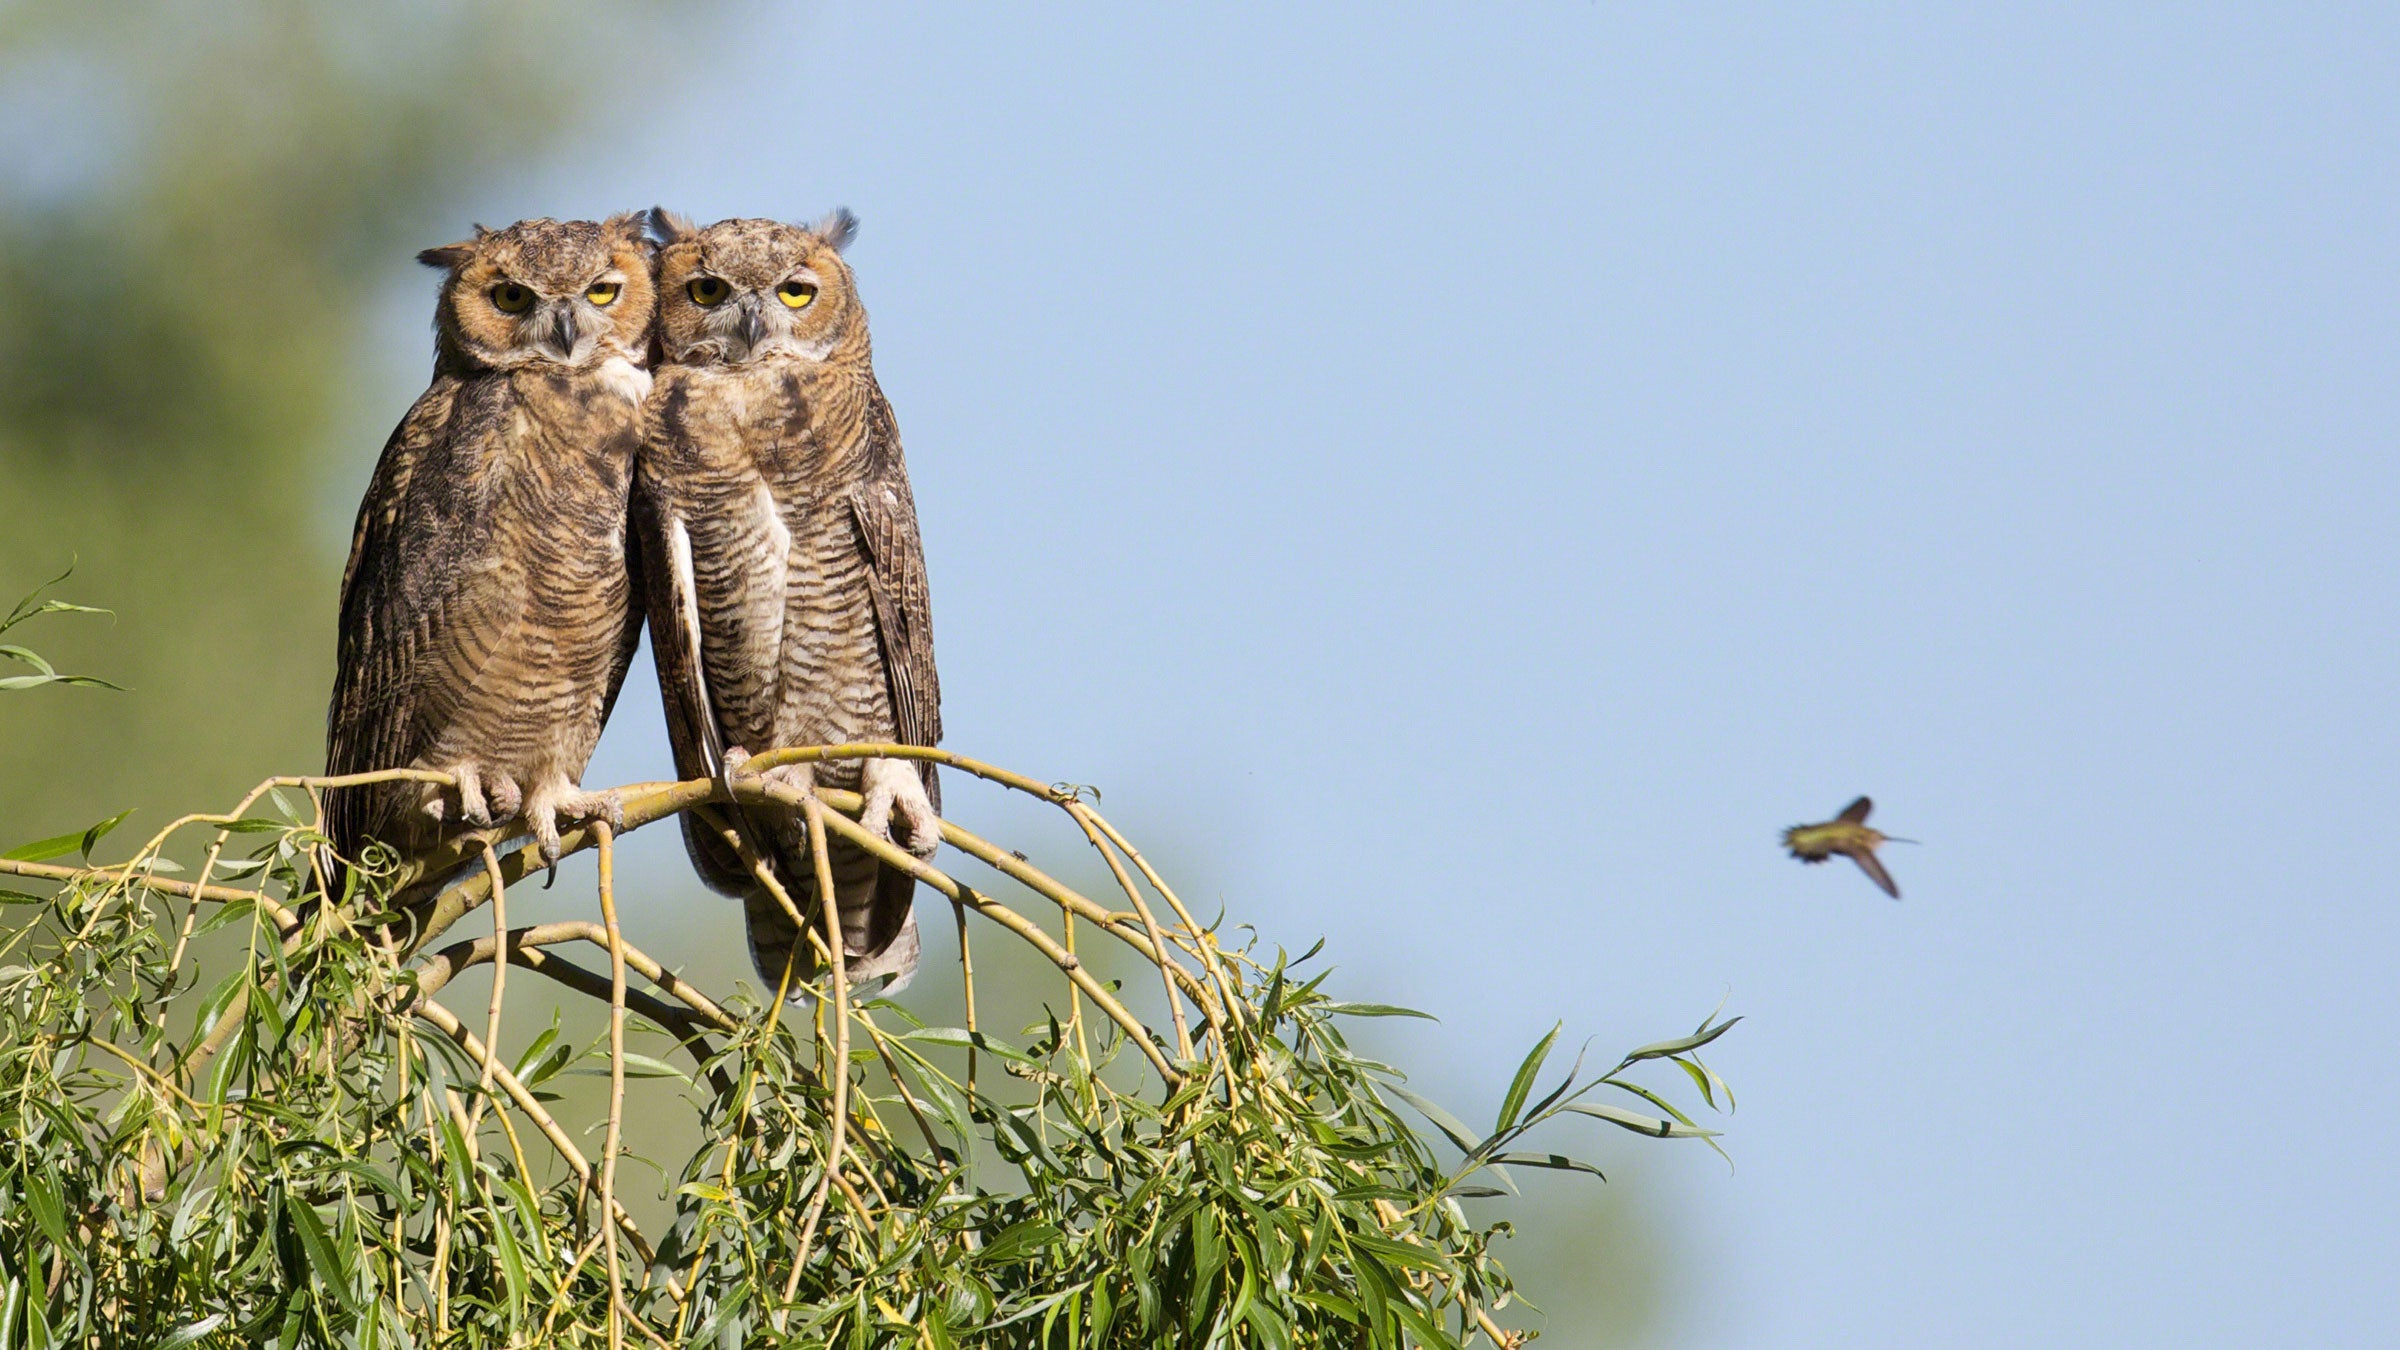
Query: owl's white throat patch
x=624, y=377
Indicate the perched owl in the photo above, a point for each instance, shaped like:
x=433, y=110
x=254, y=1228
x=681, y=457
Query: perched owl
x=786, y=584
x=488, y=610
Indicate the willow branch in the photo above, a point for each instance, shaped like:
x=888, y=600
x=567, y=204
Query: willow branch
x=450, y=1026
x=893, y=855
x=125, y=874
x=830, y=909
x=443, y=966
x=614, y=1136
x=1083, y=819
x=1201, y=936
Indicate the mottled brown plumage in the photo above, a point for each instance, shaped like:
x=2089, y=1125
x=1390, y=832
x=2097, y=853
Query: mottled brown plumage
x=786, y=583
x=487, y=611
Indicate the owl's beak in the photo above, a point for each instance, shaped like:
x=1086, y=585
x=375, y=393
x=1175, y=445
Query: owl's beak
x=562, y=329
x=753, y=326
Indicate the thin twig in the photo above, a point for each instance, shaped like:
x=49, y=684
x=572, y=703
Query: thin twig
x=895, y=856
x=614, y=1136
x=813, y=811
x=449, y=1025
x=117, y=874
x=1082, y=816
x=1204, y=939
x=443, y=966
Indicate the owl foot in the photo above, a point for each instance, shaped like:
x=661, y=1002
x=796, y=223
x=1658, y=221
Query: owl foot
x=894, y=789
x=471, y=805
x=562, y=800
x=800, y=778
x=735, y=757
x=482, y=799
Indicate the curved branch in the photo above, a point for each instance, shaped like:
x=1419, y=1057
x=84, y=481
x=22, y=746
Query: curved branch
x=532, y=1110
x=893, y=855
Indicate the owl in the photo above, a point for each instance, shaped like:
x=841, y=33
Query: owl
x=489, y=609
x=785, y=579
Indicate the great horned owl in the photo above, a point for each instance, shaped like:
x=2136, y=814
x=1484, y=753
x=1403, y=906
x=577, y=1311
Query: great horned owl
x=488, y=611
x=785, y=578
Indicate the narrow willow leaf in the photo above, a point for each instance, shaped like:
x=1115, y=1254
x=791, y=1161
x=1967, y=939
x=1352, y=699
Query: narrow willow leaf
x=960, y=1038
x=1662, y=1049
x=94, y=835
x=1555, y=1161
x=1637, y=1122
x=1451, y=1126
x=318, y=1246
x=191, y=1332
x=1522, y=1085
x=1376, y=1010
x=43, y=850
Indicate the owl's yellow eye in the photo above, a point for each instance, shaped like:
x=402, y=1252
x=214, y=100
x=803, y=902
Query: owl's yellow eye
x=604, y=294
x=796, y=294
x=707, y=291
x=510, y=298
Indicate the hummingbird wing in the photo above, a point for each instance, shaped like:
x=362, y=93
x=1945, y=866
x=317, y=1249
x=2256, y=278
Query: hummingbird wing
x=1856, y=812
x=1873, y=867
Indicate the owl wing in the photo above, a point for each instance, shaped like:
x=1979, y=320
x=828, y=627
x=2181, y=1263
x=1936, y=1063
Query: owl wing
x=886, y=516
x=419, y=615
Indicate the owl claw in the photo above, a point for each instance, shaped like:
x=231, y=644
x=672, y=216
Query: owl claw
x=471, y=805
x=547, y=808
x=505, y=797
x=893, y=788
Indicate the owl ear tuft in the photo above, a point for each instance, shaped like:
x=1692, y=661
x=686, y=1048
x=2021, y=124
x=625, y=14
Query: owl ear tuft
x=449, y=256
x=625, y=228
x=838, y=229
x=667, y=227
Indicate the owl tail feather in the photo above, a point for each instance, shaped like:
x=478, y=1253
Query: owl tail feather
x=774, y=941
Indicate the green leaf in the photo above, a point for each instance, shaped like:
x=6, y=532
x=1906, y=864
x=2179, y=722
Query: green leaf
x=1450, y=1125
x=43, y=850
x=1637, y=1122
x=191, y=1332
x=1522, y=1085
x=319, y=1247
x=49, y=1210
x=512, y=1266
x=1662, y=1049
x=234, y=911
x=960, y=1038
x=1710, y=1084
x=100, y=831
x=36, y=681
x=636, y=1066
x=1376, y=1010
x=1555, y=1161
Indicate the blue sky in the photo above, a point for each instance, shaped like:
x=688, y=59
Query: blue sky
x=1463, y=482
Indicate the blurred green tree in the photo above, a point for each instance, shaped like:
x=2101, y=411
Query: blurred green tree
x=192, y=213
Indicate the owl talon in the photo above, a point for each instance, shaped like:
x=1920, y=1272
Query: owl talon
x=545, y=836
x=589, y=806
x=504, y=796
x=893, y=788
x=472, y=808
x=566, y=802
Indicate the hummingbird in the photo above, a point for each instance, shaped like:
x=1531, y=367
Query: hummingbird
x=1846, y=833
